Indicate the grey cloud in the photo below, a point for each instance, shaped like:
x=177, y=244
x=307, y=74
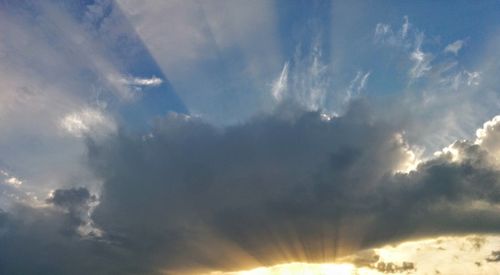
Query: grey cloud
x=3, y=219
x=494, y=256
x=33, y=241
x=390, y=267
x=77, y=203
x=74, y=201
x=370, y=259
x=278, y=188
x=364, y=258
x=71, y=198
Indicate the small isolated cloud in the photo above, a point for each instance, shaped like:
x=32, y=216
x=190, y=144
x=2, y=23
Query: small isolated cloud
x=129, y=87
x=454, y=47
x=147, y=82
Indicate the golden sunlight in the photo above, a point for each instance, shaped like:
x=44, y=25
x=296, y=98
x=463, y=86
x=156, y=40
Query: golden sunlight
x=460, y=255
x=303, y=269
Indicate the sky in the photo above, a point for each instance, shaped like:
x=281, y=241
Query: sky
x=249, y=137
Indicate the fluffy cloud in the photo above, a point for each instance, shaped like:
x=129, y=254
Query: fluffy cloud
x=277, y=188
x=488, y=136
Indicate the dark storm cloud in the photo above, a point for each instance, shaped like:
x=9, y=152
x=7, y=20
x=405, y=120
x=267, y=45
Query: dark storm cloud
x=75, y=202
x=277, y=188
x=71, y=198
x=287, y=181
x=36, y=241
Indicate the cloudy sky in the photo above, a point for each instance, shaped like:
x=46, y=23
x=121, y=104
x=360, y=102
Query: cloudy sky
x=249, y=137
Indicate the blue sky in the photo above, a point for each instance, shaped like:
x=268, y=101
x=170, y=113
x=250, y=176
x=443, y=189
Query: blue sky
x=198, y=82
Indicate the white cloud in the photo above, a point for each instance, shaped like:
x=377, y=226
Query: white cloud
x=13, y=181
x=446, y=255
x=382, y=29
x=88, y=122
x=129, y=87
x=304, y=79
x=308, y=77
x=473, y=78
x=153, y=81
x=137, y=81
x=357, y=85
x=463, y=78
x=280, y=84
x=405, y=27
x=421, y=63
x=384, y=34
x=454, y=47
x=421, y=60
x=9, y=179
x=488, y=137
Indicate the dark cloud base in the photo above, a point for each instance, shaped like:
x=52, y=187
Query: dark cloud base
x=290, y=186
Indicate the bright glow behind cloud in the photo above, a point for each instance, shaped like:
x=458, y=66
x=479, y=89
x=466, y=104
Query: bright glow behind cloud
x=263, y=174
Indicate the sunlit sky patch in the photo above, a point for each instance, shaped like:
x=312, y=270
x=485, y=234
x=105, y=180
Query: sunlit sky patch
x=249, y=137
x=444, y=255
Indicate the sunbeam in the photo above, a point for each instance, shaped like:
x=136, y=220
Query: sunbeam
x=232, y=137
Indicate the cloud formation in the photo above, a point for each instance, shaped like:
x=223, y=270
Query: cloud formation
x=304, y=180
x=191, y=196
